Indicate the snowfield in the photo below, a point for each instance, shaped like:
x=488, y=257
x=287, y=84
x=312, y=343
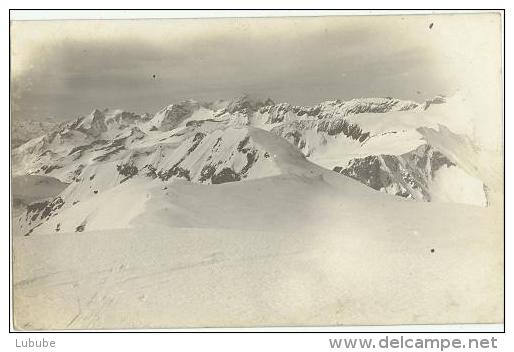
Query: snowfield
x=242, y=213
x=270, y=252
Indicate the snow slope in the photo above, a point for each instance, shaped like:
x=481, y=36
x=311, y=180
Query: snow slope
x=280, y=250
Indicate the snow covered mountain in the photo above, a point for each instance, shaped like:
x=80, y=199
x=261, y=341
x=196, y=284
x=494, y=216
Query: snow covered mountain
x=373, y=143
x=248, y=212
x=394, y=146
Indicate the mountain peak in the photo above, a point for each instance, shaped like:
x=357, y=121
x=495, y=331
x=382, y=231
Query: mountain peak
x=246, y=103
x=96, y=112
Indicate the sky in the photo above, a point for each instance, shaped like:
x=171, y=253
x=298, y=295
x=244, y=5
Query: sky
x=64, y=69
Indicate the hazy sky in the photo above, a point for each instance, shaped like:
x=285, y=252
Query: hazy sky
x=67, y=68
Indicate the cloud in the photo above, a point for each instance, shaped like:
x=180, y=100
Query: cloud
x=65, y=68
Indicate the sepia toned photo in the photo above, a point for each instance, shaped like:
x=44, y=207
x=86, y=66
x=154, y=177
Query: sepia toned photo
x=279, y=171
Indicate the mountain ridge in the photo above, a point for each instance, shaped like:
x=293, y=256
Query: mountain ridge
x=383, y=143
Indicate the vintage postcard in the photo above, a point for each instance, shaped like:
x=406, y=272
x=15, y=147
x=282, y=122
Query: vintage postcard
x=257, y=171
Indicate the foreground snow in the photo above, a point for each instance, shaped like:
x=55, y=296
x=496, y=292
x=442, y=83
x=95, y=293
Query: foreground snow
x=281, y=250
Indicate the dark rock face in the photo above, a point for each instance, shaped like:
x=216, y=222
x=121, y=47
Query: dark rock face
x=225, y=175
x=367, y=170
x=207, y=173
x=199, y=136
x=251, y=158
x=110, y=153
x=338, y=126
x=80, y=149
x=98, y=125
x=127, y=170
x=41, y=211
x=77, y=172
x=405, y=175
x=50, y=168
x=175, y=171
x=228, y=174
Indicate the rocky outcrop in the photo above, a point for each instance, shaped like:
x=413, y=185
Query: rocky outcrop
x=407, y=175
